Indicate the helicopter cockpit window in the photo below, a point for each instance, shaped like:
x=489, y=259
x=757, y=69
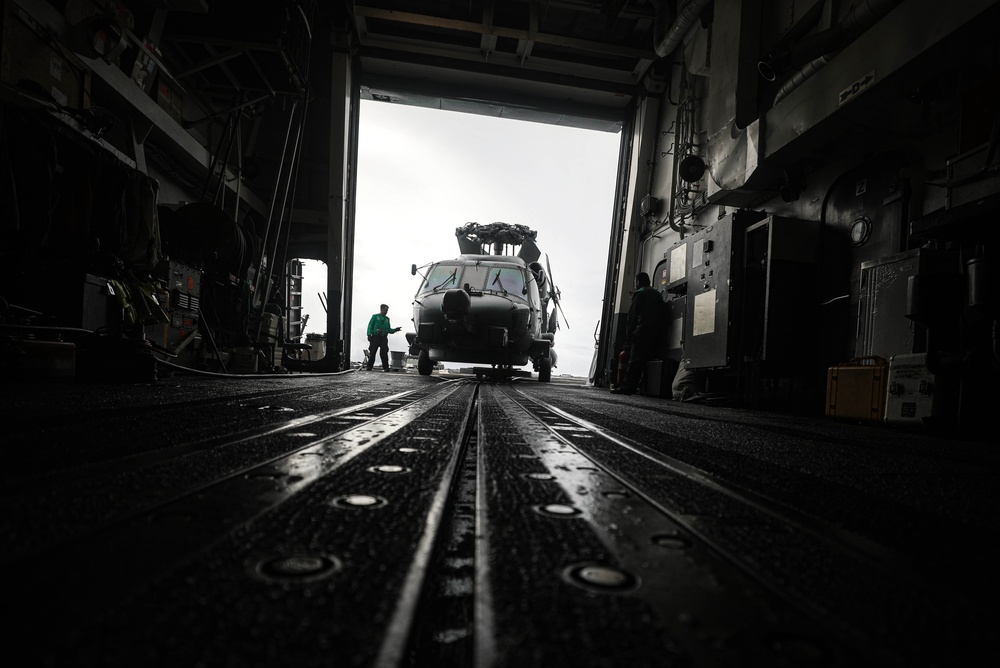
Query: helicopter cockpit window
x=508, y=280
x=441, y=277
x=475, y=276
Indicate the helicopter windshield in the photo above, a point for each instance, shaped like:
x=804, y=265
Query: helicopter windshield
x=475, y=276
x=510, y=281
x=506, y=279
x=441, y=277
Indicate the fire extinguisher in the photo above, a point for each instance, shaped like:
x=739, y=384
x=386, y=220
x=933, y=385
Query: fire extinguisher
x=622, y=365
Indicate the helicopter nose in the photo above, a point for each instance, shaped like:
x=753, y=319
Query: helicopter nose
x=456, y=302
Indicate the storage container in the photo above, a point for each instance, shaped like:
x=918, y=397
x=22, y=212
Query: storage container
x=857, y=389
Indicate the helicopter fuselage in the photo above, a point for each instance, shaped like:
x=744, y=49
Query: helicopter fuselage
x=482, y=309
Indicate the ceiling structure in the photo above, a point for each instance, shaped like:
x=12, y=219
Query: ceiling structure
x=566, y=62
x=549, y=60
x=578, y=63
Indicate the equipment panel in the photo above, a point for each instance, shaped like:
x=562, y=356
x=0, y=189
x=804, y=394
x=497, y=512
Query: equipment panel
x=672, y=271
x=181, y=300
x=708, y=327
x=887, y=288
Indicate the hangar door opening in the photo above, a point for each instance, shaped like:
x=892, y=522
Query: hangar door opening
x=423, y=173
x=305, y=297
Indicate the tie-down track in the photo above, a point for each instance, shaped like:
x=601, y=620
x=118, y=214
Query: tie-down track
x=446, y=524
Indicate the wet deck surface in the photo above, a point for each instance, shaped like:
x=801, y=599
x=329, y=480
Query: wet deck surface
x=386, y=519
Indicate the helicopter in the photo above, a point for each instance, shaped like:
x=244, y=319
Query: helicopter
x=488, y=306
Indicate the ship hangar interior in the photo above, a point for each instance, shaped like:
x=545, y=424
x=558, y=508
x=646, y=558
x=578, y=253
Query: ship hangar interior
x=160, y=155
x=812, y=186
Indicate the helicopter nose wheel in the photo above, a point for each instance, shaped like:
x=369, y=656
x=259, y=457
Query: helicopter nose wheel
x=544, y=370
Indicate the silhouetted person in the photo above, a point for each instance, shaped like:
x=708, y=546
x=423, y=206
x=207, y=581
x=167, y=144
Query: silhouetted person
x=379, y=330
x=645, y=319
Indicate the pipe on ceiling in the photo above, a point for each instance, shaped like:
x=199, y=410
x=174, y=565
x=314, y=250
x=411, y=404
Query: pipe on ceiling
x=685, y=19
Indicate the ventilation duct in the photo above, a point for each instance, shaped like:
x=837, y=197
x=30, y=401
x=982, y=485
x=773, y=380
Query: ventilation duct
x=860, y=18
x=685, y=19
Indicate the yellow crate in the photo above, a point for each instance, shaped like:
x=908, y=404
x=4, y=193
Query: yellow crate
x=857, y=389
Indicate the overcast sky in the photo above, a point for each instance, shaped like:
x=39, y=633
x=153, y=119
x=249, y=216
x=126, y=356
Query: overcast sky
x=423, y=172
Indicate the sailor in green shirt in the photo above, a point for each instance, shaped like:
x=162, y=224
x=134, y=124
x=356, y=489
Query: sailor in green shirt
x=379, y=330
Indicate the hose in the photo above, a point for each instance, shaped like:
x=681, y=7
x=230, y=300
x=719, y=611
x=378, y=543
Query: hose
x=246, y=376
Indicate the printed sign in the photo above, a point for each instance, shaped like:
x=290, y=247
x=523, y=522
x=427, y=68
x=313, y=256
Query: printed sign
x=857, y=88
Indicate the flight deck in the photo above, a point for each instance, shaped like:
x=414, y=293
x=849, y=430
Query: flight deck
x=393, y=519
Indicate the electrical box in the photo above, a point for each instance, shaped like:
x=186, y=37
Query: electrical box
x=708, y=333
x=714, y=288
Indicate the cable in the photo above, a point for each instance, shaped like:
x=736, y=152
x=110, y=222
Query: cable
x=47, y=329
x=247, y=376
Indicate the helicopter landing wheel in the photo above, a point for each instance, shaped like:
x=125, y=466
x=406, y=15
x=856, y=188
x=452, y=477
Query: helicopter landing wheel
x=544, y=370
x=424, y=364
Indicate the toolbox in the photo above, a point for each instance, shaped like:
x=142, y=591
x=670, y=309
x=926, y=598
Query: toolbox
x=910, y=397
x=857, y=389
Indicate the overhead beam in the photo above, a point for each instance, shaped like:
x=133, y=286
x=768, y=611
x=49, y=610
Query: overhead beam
x=205, y=64
x=593, y=113
x=561, y=74
x=627, y=11
x=500, y=31
x=524, y=45
x=237, y=44
x=488, y=42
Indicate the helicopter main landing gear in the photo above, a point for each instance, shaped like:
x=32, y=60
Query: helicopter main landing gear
x=544, y=370
x=424, y=364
